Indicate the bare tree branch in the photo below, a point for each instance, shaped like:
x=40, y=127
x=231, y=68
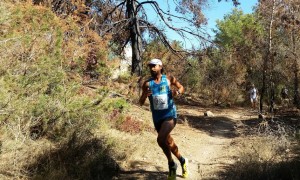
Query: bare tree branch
x=180, y=31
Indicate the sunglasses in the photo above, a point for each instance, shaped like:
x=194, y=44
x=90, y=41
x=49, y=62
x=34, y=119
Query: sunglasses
x=151, y=65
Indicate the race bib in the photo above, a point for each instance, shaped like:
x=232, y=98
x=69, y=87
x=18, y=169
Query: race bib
x=160, y=102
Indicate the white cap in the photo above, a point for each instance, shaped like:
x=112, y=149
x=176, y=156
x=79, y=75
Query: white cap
x=155, y=61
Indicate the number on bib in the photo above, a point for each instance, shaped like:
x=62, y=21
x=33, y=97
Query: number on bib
x=160, y=102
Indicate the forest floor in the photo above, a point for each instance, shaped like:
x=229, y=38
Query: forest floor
x=211, y=144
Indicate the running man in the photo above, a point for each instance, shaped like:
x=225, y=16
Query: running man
x=158, y=90
x=253, y=96
x=285, y=96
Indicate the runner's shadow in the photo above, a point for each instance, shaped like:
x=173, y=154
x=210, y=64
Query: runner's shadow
x=139, y=172
x=142, y=174
x=214, y=126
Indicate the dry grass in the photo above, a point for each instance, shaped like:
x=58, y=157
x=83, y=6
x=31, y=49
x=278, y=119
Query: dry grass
x=266, y=155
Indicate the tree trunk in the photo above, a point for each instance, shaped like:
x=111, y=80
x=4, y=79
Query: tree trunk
x=296, y=71
x=263, y=89
x=269, y=58
x=296, y=87
x=135, y=37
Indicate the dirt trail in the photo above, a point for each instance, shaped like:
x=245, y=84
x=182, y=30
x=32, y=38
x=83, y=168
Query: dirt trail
x=210, y=144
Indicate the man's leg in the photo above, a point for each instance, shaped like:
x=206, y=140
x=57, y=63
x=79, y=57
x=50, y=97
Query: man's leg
x=164, y=132
x=172, y=146
x=170, y=143
x=162, y=138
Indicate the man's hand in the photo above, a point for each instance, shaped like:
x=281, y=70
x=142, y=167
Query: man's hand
x=175, y=93
x=149, y=92
x=178, y=86
x=146, y=92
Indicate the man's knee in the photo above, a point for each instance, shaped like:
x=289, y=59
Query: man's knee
x=165, y=142
x=161, y=141
x=169, y=142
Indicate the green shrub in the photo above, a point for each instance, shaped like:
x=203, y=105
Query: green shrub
x=124, y=78
x=118, y=104
x=39, y=100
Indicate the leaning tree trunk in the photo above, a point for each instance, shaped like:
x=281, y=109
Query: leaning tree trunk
x=135, y=38
x=296, y=87
x=296, y=71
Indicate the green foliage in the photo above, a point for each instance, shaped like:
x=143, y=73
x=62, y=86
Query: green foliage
x=124, y=78
x=103, y=69
x=236, y=61
x=222, y=80
x=235, y=29
x=192, y=80
x=118, y=104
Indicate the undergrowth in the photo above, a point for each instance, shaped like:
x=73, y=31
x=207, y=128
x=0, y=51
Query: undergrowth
x=47, y=117
x=270, y=154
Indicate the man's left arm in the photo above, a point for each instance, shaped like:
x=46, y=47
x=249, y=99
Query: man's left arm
x=176, y=83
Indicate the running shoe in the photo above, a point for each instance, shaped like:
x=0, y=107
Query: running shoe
x=172, y=172
x=184, y=167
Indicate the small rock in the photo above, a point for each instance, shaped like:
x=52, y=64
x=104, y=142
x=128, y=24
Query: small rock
x=261, y=116
x=287, y=150
x=209, y=114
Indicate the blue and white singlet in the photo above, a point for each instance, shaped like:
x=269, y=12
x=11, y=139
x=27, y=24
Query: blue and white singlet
x=161, y=100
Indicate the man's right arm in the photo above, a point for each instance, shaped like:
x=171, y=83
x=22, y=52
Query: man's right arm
x=145, y=93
